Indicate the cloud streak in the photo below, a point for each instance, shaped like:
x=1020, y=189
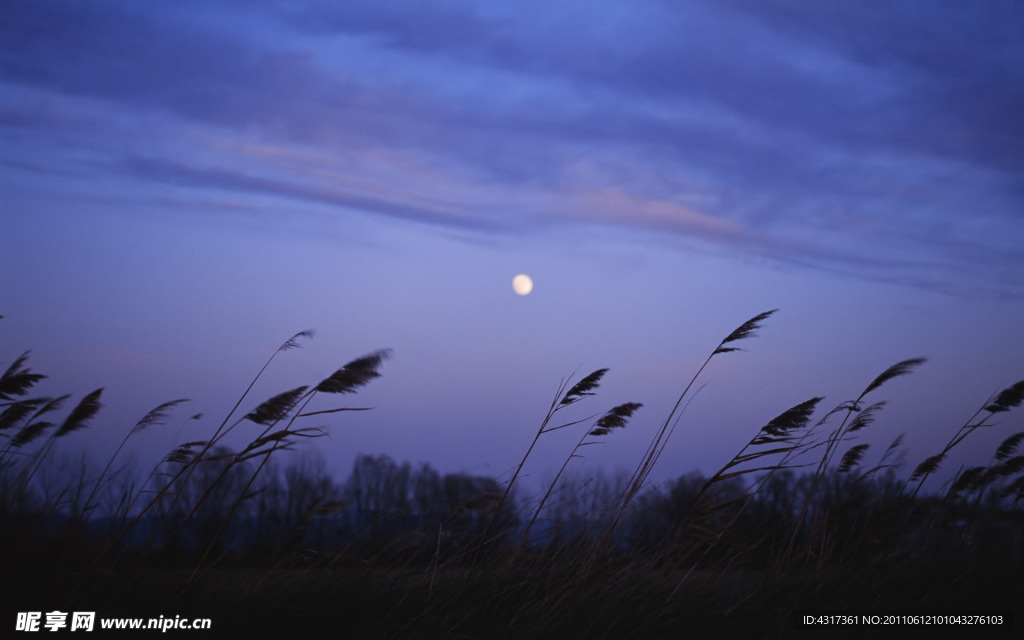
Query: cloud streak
x=822, y=136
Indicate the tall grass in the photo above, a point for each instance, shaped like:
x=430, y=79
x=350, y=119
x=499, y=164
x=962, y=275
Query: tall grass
x=795, y=511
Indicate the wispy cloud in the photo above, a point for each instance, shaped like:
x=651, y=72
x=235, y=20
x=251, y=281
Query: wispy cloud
x=825, y=135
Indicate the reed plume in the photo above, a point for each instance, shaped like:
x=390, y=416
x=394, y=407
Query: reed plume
x=746, y=330
x=1007, y=399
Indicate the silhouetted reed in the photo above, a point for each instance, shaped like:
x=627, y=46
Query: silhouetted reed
x=795, y=518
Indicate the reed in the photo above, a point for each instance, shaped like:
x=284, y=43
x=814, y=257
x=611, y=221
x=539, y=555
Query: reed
x=614, y=418
x=796, y=518
x=643, y=470
x=1007, y=399
x=564, y=398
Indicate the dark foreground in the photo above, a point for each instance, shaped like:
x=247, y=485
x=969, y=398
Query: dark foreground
x=537, y=598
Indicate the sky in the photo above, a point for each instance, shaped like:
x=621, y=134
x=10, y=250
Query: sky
x=185, y=186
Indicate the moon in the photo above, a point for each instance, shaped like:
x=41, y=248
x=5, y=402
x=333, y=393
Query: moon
x=522, y=284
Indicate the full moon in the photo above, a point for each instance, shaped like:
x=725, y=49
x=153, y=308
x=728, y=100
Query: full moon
x=522, y=284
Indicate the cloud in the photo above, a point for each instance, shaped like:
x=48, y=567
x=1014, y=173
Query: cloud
x=395, y=206
x=616, y=207
x=826, y=135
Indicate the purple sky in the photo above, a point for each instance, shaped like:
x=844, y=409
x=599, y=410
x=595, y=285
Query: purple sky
x=186, y=186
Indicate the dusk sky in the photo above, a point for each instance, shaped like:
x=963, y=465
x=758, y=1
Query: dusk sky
x=184, y=186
